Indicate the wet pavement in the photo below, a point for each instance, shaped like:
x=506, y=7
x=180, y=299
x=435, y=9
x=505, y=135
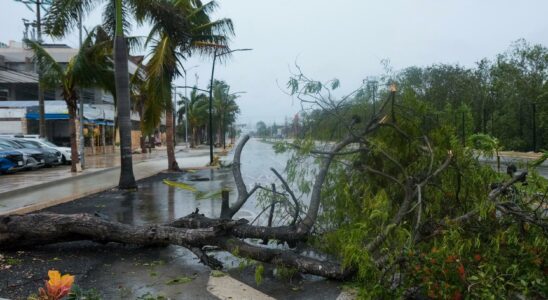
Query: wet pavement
x=521, y=162
x=49, y=190
x=23, y=179
x=128, y=272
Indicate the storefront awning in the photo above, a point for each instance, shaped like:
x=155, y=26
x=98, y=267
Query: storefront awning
x=59, y=116
x=36, y=116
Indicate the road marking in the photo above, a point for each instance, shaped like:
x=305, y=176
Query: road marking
x=228, y=288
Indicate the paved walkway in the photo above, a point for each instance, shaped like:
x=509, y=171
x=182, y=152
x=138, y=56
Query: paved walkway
x=29, y=191
x=11, y=182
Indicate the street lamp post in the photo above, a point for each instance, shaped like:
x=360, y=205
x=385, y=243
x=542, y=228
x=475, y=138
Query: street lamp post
x=187, y=102
x=186, y=110
x=210, y=131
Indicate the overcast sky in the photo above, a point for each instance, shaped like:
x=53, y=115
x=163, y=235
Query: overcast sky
x=345, y=39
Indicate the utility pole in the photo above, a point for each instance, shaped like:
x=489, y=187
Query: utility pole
x=215, y=55
x=41, y=103
x=82, y=138
x=210, y=129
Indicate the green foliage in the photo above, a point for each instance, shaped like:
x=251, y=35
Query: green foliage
x=540, y=160
x=77, y=293
x=490, y=256
x=150, y=296
x=497, y=97
x=285, y=273
x=217, y=273
x=259, y=272
x=484, y=143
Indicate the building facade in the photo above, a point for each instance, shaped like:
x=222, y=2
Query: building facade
x=19, y=101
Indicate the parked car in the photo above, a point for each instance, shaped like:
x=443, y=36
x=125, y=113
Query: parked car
x=10, y=161
x=33, y=158
x=52, y=157
x=65, y=151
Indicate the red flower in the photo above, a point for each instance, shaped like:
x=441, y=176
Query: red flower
x=457, y=295
x=451, y=258
x=461, y=271
x=477, y=257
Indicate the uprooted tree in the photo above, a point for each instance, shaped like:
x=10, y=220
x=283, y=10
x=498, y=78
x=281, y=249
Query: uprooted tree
x=393, y=199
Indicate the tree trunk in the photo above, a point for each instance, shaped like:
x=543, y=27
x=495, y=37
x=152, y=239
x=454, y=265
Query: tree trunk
x=171, y=161
x=19, y=231
x=72, y=131
x=127, y=179
x=194, y=138
x=141, y=120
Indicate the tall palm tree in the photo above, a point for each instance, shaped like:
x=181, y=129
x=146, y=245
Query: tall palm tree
x=64, y=15
x=91, y=67
x=195, y=107
x=226, y=108
x=169, y=49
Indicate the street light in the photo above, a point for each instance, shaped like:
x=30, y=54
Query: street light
x=175, y=104
x=215, y=55
x=186, y=110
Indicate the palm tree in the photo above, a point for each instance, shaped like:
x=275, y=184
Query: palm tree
x=91, y=67
x=226, y=108
x=169, y=49
x=64, y=15
x=138, y=99
x=195, y=108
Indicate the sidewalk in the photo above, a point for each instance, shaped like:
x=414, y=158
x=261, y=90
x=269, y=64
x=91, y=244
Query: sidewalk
x=30, y=191
x=520, y=155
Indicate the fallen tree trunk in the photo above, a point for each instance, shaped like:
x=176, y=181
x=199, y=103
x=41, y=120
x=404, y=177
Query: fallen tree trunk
x=45, y=228
x=287, y=234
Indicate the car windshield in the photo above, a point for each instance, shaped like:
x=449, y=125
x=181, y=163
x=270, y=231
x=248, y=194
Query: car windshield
x=9, y=144
x=49, y=144
x=29, y=144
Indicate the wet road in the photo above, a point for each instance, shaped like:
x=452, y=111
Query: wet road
x=9, y=182
x=521, y=164
x=126, y=272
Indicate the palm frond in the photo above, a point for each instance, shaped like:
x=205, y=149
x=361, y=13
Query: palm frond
x=109, y=18
x=63, y=15
x=51, y=71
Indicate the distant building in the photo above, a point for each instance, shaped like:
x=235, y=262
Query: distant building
x=19, y=99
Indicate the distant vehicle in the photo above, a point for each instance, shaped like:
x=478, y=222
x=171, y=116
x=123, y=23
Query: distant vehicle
x=52, y=157
x=65, y=151
x=33, y=158
x=10, y=161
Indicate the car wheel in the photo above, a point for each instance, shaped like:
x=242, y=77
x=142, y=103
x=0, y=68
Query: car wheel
x=64, y=160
